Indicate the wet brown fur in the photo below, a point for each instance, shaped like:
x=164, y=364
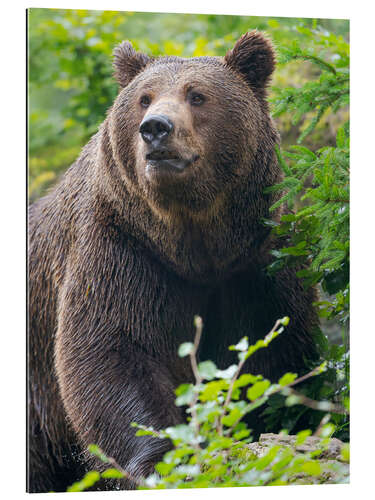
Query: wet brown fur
x=120, y=264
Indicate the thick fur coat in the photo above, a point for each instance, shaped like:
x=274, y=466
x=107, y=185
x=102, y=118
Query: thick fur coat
x=159, y=219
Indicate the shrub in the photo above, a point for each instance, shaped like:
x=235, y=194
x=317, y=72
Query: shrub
x=212, y=448
x=316, y=229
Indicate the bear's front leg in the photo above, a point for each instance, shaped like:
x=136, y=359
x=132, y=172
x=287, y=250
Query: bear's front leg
x=120, y=321
x=104, y=390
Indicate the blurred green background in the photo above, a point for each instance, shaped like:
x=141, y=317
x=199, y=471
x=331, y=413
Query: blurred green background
x=70, y=72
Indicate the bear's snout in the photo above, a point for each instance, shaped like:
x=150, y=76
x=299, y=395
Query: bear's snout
x=155, y=129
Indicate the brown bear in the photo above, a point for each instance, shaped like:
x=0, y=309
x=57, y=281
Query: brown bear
x=159, y=219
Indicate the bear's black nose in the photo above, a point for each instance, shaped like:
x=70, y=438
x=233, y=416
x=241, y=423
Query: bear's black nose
x=154, y=129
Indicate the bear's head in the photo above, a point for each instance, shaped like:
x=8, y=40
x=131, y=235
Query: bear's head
x=185, y=132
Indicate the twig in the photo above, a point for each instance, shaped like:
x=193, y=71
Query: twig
x=198, y=379
x=298, y=380
x=126, y=474
x=235, y=376
x=106, y=459
x=324, y=421
x=317, y=405
x=311, y=403
x=199, y=327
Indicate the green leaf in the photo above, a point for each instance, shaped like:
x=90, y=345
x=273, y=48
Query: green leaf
x=207, y=370
x=232, y=417
x=288, y=218
x=282, y=162
x=345, y=452
x=246, y=379
x=285, y=321
x=287, y=379
x=241, y=434
x=181, y=432
x=220, y=443
x=242, y=345
x=112, y=473
x=212, y=390
x=188, y=470
x=95, y=450
x=228, y=373
x=185, y=394
x=185, y=349
x=327, y=430
x=88, y=480
x=309, y=155
x=312, y=468
x=322, y=367
x=242, y=356
x=144, y=432
x=176, y=454
x=302, y=436
x=164, y=469
x=341, y=137
x=258, y=389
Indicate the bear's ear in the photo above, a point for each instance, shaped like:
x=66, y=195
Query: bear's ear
x=253, y=56
x=127, y=63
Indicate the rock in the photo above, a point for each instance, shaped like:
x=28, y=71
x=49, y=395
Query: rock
x=311, y=443
x=334, y=469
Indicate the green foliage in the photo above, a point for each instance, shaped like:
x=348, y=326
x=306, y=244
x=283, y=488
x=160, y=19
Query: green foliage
x=87, y=482
x=319, y=227
x=329, y=92
x=315, y=229
x=212, y=448
x=316, y=184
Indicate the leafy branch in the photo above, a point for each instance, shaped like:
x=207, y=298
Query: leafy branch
x=92, y=477
x=216, y=412
x=330, y=91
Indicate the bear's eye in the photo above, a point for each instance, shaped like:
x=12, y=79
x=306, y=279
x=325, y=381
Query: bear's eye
x=145, y=101
x=196, y=99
